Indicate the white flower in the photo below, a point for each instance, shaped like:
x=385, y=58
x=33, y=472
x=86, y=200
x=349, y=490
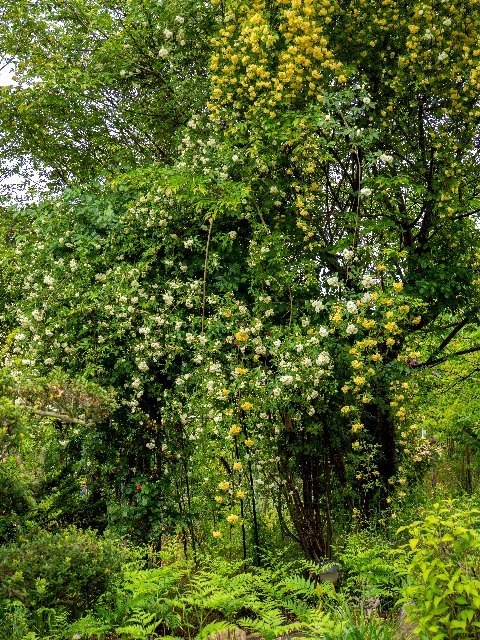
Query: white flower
x=179, y=19
x=48, y=361
x=136, y=383
x=168, y=299
x=447, y=22
x=347, y=254
x=365, y=192
x=366, y=100
x=323, y=332
x=351, y=307
x=100, y=277
x=143, y=366
x=162, y=53
x=333, y=281
x=48, y=280
x=188, y=243
x=323, y=358
x=317, y=305
x=277, y=343
x=232, y=235
x=286, y=379
x=235, y=158
x=167, y=33
x=386, y=158
x=443, y=56
x=150, y=445
x=367, y=281
x=37, y=315
x=311, y=411
x=276, y=391
x=351, y=329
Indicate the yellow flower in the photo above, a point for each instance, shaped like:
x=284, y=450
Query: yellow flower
x=241, y=336
x=219, y=499
x=345, y=388
x=359, y=380
x=217, y=534
x=235, y=429
x=224, y=486
x=355, y=445
x=232, y=518
x=246, y=406
x=356, y=427
x=228, y=412
x=225, y=392
x=256, y=357
x=241, y=495
x=345, y=409
x=241, y=370
x=356, y=364
x=391, y=326
x=404, y=308
x=368, y=324
x=398, y=286
x=341, y=78
x=390, y=341
x=237, y=466
x=248, y=442
x=417, y=320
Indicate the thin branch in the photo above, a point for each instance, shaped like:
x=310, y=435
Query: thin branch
x=63, y=417
x=205, y=274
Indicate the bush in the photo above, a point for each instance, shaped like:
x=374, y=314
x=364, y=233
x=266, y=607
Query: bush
x=68, y=569
x=442, y=595
x=16, y=500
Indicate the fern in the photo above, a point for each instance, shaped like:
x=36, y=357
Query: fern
x=140, y=626
x=210, y=630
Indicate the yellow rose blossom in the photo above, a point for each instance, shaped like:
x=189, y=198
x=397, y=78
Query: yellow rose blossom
x=228, y=412
x=225, y=392
x=246, y=406
x=390, y=342
x=359, y=380
x=345, y=388
x=368, y=324
x=235, y=429
x=241, y=336
x=345, y=409
x=248, y=442
x=219, y=499
x=232, y=518
x=237, y=466
x=217, y=534
x=241, y=370
x=398, y=286
x=356, y=364
x=224, y=486
x=417, y=320
x=241, y=495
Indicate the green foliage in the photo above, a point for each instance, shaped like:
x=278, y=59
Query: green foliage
x=442, y=595
x=16, y=500
x=367, y=568
x=179, y=601
x=68, y=569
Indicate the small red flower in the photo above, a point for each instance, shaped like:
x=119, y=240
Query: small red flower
x=139, y=487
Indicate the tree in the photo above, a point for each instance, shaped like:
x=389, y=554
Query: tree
x=266, y=301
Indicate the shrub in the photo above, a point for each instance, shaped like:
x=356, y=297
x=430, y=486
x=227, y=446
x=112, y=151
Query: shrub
x=69, y=569
x=16, y=500
x=442, y=595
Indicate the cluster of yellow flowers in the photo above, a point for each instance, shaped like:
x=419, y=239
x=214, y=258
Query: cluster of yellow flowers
x=258, y=66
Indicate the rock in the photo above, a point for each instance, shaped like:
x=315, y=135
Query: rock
x=405, y=629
